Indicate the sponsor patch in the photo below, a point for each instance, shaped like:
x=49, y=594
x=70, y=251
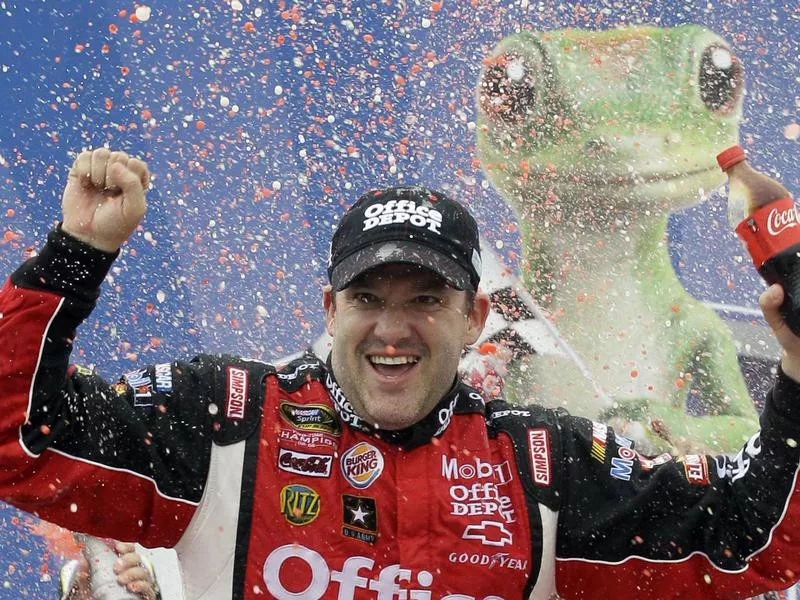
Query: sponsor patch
x=142, y=386
x=361, y=465
x=696, y=469
x=312, y=465
x=475, y=469
x=299, y=504
x=539, y=447
x=402, y=211
x=498, y=559
x=490, y=533
x=622, y=465
x=599, y=435
x=237, y=393
x=482, y=499
x=163, y=377
x=310, y=417
x=649, y=464
x=84, y=371
x=359, y=518
x=309, y=440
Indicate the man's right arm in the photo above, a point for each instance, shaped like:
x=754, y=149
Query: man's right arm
x=127, y=460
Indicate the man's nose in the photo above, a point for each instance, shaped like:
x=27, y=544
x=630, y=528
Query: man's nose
x=393, y=324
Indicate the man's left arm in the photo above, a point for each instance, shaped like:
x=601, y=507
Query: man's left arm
x=696, y=526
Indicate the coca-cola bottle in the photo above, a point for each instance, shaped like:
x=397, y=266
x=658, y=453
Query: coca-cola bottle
x=764, y=216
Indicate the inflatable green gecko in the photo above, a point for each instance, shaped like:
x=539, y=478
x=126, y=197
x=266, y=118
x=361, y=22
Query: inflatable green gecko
x=593, y=138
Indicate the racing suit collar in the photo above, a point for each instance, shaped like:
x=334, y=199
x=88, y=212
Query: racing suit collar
x=459, y=399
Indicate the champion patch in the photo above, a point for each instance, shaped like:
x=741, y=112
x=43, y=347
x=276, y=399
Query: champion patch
x=361, y=465
x=310, y=417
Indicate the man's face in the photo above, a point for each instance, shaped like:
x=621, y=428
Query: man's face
x=398, y=332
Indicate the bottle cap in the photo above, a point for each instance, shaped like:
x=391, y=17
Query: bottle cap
x=727, y=158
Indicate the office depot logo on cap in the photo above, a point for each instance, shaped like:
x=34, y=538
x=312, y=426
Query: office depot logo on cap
x=411, y=225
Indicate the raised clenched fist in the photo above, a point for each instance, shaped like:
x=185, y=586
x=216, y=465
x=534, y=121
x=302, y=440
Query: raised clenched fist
x=105, y=198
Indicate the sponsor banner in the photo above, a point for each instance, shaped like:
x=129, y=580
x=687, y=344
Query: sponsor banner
x=361, y=465
x=237, y=393
x=310, y=417
x=299, y=504
x=539, y=447
x=355, y=573
x=311, y=465
x=359, y=518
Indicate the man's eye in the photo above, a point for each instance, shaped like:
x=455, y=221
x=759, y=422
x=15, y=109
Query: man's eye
x=365, y=298
x=429, y=300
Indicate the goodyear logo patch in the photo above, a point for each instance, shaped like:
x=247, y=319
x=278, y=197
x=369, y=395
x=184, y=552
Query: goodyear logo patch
x=299, y=504
x=361, y=465
x=310, y=417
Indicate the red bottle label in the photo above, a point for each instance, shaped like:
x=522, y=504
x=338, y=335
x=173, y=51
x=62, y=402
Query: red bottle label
x=770, y=230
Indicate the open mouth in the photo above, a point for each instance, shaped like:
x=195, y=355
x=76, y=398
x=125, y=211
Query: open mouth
x=392, y=366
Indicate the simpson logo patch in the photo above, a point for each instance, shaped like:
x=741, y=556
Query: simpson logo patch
x=361, y=465
x=310, y=417
x=237, y=393
x=539, y=447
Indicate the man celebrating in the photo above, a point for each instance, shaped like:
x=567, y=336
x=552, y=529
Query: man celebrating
x=376, y=473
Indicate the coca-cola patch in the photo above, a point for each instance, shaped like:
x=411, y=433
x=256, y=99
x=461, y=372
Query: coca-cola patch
x=770, y=230
x=300, y=463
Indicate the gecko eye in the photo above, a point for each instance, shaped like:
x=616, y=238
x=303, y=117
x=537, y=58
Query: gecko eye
x=508, y=88
x=721, y=79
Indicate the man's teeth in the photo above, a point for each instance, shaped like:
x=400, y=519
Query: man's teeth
x=393, y=360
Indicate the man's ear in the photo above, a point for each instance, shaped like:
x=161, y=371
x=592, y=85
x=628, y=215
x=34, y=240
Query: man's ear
x=476, y=318
x=329, y=304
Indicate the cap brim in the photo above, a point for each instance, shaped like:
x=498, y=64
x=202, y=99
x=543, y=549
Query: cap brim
x=405, y=252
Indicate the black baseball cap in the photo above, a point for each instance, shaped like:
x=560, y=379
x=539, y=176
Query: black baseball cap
x=411, y=225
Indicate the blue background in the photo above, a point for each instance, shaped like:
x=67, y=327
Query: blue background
x=333, y=98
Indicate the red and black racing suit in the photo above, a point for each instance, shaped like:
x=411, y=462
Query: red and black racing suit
x=270, y=486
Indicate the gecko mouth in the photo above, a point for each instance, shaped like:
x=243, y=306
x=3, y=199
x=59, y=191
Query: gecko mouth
x=607, y=180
